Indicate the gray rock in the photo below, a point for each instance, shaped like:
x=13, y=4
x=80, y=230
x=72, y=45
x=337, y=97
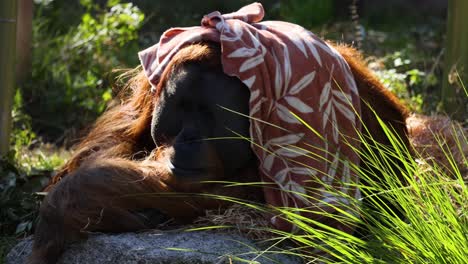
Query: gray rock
x=159, y=248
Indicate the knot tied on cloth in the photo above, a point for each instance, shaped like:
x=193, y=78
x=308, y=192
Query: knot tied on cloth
x=304, y=106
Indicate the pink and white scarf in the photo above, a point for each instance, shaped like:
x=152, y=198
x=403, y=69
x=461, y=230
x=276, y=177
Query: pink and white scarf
x=303, y=105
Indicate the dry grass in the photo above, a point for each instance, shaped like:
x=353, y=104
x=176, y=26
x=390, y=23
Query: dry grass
x=433, y=137
x=242, y=220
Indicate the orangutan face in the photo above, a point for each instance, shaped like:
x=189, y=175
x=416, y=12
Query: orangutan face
x=191, y=117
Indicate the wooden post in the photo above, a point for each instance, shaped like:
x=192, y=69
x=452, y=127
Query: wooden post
x=24, y=40
x=454, y=98
x=7, y=69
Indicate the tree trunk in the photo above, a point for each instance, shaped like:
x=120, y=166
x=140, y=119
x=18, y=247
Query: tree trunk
x=7, y=69
x=454, y=97
x=24, y=40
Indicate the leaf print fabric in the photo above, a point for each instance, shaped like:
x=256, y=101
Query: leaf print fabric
x=293, y=77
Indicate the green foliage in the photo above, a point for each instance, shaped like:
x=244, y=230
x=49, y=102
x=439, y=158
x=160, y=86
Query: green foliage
x=19, y=207
x=22, y=134
x=69, y=85
x=6, y=243
x=109, y=31
x=408, y=83
x=25, y=170
x=307, y=13
x=28, y=153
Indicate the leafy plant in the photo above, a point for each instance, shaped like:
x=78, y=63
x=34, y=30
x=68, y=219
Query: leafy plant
x=308, y=13
x=25, y=170
x=69, y=85
x=409, y=84
x=18, y=206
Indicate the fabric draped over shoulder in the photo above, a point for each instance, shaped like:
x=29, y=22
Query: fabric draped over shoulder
x=295, y=79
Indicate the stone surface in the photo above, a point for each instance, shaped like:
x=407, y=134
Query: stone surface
x=159, y=248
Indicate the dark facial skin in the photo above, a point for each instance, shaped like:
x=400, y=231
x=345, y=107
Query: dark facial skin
x=190, y=119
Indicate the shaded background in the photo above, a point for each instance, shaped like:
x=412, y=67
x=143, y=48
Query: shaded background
x=76, y=44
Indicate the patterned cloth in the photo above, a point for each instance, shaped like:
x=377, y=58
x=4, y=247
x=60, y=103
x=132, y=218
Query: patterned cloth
x=303, y=105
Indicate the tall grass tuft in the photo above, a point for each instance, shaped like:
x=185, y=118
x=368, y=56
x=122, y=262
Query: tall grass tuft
x=422, y=218
x=429, y=224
